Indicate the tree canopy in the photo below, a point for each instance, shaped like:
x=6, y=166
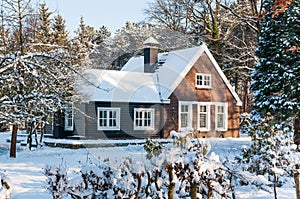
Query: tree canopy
x=276, y=78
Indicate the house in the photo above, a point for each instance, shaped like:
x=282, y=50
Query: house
x=183, y=90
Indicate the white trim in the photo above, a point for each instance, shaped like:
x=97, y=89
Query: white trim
x=203, y=75
x=190, y=63
x=69, y=109
x=224, y=78
x=143, y=126
x=190, y=116
x=225, y=127
x=208, y=117
x=107, y=127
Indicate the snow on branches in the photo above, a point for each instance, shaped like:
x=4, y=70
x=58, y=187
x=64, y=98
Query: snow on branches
x=36, y=85
x=174, y=172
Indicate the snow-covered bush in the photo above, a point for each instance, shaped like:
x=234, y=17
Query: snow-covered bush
x=270, y=153
x=56, y=180
x=152, y=148
x=269, y=148
x=128, y=179
x=245, y=122
x=174, y=172
x=5, y=187
x=183, y=170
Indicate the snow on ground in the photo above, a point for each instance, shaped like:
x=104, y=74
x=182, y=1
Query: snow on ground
x=28, y=181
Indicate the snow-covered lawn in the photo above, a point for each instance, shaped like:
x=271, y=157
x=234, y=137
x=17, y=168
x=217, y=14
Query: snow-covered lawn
x=28, y=181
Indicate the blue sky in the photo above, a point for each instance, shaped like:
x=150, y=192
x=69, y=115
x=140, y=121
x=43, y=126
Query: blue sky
x=111, y=13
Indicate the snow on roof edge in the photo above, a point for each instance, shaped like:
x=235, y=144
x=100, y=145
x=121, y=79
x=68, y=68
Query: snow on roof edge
x=219, y=70
x=189, y=65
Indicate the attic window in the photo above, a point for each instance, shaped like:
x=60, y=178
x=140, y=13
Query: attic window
x=203, y=80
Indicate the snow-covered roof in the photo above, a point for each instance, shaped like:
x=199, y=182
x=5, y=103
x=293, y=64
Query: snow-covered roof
x=131, y=84
x=120, y=86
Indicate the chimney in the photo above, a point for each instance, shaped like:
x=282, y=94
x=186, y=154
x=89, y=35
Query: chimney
x=150, y=54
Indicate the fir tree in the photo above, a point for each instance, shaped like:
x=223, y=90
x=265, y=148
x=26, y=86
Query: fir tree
x=276, y=78
x=44, y=24
x=60, y=34
x=86, y=37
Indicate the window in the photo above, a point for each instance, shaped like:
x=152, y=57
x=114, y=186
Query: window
x=108, y=118
x=184, y=116
x=204, y=117
x=143, y=119
x=69, y=118
x=221, y=117
x=203, y=80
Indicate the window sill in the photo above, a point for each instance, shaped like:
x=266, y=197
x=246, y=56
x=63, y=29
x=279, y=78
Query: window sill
x=108, y=129
x=143, y=129
x=221, y=130
x=204, y=88
x=203, y=130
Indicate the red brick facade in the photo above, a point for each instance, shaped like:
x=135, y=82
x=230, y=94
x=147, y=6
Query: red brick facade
x=189, y=93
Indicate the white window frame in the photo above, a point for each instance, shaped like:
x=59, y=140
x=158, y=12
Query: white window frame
x=107, y=127
x=207, y=113
x=189, y=115
x=224, y=114
x=69, y=112
x=204, y=83
x=143, y=119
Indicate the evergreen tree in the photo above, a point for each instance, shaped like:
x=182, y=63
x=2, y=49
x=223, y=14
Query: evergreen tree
x=44, y=25
x=59, y=34
x=86, y=37
x=276, y=78
x=128, y=41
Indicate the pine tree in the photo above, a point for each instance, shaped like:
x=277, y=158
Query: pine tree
x=86, y=37
x=276, y=78
x=60, y=34
x=44, y=25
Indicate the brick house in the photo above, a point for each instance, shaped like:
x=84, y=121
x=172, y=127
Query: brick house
x=182, y=90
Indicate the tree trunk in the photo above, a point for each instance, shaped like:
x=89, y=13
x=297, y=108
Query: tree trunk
x=148, y=183
x=245, y=97
x=275, y=185
x=138, y=190
x=297, y=131
x=156, y=181
x=29, y=134
x=193, y=191
x=297, y=181
x=41, y=137
x=171, y=187
x=13, y=142
x=209, y=190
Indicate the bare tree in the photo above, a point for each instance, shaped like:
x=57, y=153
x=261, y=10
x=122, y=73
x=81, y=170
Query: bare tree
x=115, y=51
x=228, y=27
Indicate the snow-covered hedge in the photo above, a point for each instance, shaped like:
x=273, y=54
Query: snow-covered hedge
x=186, y=169
x=169, y=172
